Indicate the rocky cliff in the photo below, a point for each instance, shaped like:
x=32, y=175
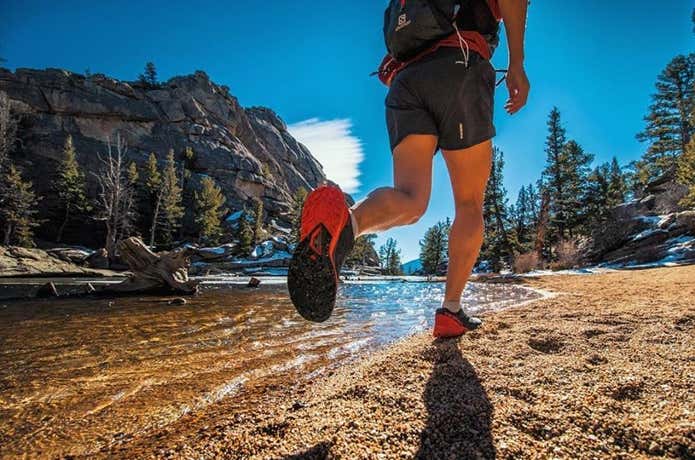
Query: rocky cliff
x=651, y=230
x=248, y=151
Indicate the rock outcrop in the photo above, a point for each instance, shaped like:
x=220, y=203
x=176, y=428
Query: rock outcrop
x=651, y=230
x=248, y=152
x=23, y=262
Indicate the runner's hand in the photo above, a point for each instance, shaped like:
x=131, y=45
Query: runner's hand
x=518, y=86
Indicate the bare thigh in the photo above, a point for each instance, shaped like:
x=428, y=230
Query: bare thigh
x=469, y=170
x=412, y=167
x=407, y=200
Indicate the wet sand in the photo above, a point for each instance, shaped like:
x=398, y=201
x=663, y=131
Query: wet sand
x=605, y=369
x=79, y=376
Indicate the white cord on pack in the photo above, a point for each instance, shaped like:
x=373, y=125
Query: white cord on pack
x=462, y=42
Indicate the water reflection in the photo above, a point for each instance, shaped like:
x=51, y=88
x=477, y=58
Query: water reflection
x=78, y=376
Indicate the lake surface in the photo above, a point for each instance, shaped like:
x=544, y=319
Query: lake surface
x=78, y=376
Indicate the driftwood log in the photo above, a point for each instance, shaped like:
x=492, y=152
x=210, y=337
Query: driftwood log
x=154, y=272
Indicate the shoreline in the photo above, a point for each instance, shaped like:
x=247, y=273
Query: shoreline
x=602, y=368
x=117, y=370
x=22, y=288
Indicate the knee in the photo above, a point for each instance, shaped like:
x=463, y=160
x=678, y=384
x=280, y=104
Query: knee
x=415, y=211
x=470, y=211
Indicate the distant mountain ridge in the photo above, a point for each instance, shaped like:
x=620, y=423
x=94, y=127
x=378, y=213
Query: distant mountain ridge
x=247, y=151
x=412, y=267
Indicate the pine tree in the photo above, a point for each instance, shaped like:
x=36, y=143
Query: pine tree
x=189, y=157
x=245, y=234
x=171, y=208
x=362, y=250
x=564, y=179
x=542, y=223
x=149, y=77
x=617, y=184
x=209, y=211
x=18, y=211
x=390, y=257
x=685, y=174
x=596, y=197
x=670, y=121
x=533, y=202
x=70, y=187
x=188, y=224
x=575, y=165
x=553, y=177
x=258, y=232
x=153, y=192
x=8, y=139
x=133, y=179
x=524, y=217
x=8, y=130
x=133, y=174
x=498, y=247
x=635, y=178
x=434, y=247
x=296, y=213
x=519, y=216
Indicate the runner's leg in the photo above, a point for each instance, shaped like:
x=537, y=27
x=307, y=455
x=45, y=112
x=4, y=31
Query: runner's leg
x=468, y=170
x=407, y=200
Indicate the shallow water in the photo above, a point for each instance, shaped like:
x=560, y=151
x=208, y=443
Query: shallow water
x=77, y=376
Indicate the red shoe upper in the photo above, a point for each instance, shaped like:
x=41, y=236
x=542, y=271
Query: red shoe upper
x=324, y=206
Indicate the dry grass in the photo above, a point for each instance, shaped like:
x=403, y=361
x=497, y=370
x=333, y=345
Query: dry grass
x=524, y=263
x=568, y=255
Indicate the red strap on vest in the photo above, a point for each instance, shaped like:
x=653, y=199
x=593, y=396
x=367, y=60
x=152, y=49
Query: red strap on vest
x=390, y=66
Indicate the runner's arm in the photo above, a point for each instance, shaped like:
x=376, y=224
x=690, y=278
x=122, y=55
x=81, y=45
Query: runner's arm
x=514, y=17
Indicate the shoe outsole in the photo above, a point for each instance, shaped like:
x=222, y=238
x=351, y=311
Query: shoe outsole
x=312, y=281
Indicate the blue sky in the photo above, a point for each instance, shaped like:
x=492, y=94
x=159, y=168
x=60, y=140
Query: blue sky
x=596, y=60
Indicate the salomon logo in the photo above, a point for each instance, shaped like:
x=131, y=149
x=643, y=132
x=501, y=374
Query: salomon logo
x=402, y=22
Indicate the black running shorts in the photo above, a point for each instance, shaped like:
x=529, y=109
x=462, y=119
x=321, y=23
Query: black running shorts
x=439, y=95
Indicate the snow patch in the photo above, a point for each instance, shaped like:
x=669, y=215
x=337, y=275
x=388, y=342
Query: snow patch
x=278, y=255
x=651, y=220
x=280, y=228
x=576, y=271
x=646, y=233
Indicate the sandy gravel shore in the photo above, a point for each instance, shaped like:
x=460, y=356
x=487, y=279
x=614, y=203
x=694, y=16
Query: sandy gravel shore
x=605, y=369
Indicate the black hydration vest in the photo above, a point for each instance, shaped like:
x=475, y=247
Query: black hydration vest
x=412, y=26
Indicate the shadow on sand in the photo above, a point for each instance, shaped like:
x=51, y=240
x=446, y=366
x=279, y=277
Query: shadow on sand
x=459, y=412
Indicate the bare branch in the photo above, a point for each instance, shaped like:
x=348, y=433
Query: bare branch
x=115, y=193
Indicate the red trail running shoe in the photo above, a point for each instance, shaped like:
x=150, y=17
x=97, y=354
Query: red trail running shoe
x=325, y=239
x=448, y=324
